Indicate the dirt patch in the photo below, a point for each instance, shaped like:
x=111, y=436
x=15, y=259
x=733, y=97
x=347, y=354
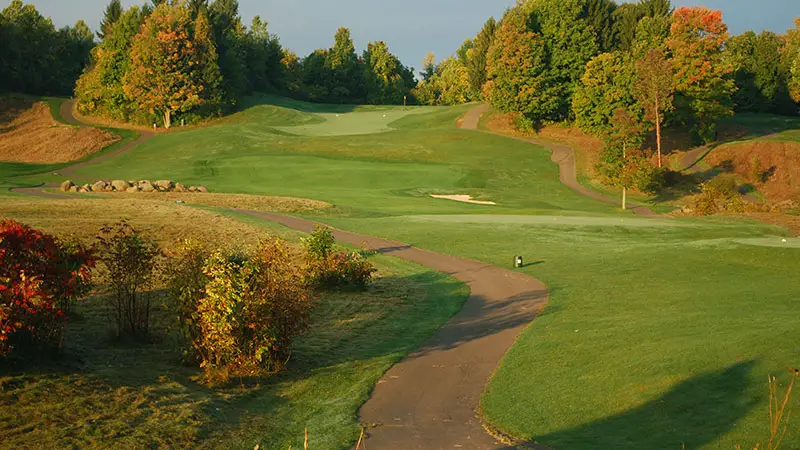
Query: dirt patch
x=232, y=201
x=31, y=135
x=777, y=164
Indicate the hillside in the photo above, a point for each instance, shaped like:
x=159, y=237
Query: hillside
x=30, y=134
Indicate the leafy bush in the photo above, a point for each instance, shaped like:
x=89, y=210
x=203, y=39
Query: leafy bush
x=341, y=269
x=131, y=266
x=186, y=282
x=720, y=194
x=250, y=312
x=319, y=244
x=38, y=277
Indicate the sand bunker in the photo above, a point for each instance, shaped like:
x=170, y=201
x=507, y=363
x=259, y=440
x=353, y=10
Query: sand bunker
x=463, y=198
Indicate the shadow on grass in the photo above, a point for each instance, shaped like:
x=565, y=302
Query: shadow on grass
x=693, y=414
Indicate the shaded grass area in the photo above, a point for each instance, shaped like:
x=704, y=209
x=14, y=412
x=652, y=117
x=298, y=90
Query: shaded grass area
x=142, y=397
x=654, y=336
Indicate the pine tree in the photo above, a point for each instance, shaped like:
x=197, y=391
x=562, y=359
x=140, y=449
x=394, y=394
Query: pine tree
x=110, y=17
x=476, y=68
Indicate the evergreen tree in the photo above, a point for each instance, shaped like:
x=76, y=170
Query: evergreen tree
x=110, y=17
x=342, y=61
x=387, y=80
x=476, y=67
x=207, y=71
x=229, y=36
x=600, y=15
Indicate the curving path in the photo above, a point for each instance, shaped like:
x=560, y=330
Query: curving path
x=68, y=116
x=562, y=155
x=430, y=400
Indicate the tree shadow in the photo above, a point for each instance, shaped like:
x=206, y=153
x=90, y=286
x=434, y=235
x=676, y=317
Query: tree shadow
x=297, y=105
x=693, y=414
x=10, y=110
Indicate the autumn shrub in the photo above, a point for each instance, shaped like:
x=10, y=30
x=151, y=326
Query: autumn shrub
x=340, y=269
x=720, y=194
x=319, y=244
x=250, y=311
x=131, y=264
x=40, y=276
x=327, y=268
x=186, y=282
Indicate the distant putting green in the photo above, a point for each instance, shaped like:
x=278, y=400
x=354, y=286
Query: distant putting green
x=549, y=220
x=371, y=122
x=772, y=241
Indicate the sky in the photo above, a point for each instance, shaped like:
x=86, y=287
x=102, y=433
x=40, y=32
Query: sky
x=411, y=28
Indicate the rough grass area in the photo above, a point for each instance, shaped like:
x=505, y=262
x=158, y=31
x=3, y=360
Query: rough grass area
x=142, y=397
x=230, y=201
x=32, y=135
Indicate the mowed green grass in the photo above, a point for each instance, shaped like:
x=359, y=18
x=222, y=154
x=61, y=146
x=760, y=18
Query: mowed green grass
x=656, y=336
x=389, y=173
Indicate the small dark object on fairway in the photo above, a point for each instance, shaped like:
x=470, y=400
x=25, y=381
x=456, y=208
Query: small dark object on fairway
x=518, y=262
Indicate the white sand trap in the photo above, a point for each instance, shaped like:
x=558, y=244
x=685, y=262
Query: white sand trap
x=462, y=198
x=772, y=241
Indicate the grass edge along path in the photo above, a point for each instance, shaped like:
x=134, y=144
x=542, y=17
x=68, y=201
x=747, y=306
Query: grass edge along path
x=431, y=399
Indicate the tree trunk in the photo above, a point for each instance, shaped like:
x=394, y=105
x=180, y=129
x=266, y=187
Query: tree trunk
x=167, y=119
x=624, y=198
x=658, y=132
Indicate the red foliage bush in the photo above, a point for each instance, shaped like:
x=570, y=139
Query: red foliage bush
x=39, y=278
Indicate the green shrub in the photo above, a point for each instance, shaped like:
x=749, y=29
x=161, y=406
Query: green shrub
x=250, y=312
x=186, y=283
x=339, y=270
x=720, y=194
x=319, y=244
x=131, y=264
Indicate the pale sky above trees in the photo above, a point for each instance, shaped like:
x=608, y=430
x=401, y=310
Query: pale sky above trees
x=411, y=28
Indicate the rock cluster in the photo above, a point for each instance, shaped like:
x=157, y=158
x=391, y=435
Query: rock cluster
x=131, y=186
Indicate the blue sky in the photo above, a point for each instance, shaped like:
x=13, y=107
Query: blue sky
x=410, y=27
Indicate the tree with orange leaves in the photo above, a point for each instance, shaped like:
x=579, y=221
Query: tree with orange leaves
x=703, y=74
x=168, y=69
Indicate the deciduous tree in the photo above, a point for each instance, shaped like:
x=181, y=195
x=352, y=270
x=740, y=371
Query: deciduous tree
x=654, y=88
x=606, y=86
x=703, y=71
x=166, y=66
x=621, y=162
x=516, y=71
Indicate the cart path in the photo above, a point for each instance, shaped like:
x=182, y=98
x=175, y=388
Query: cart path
x=562, y=155
x=430, y=400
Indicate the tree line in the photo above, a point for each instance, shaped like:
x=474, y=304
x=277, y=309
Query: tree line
x=619, y=71
x=187, y=58
x=37, y=58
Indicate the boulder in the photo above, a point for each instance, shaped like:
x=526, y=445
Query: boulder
x=85, y=188
x=100, y=186
x=67, y=185
x=164, y=185
x=202, y=189
x=192, y=188
x=180, y=187
x=120, y=185
x=132, y=189
x=73, y=188
x=146, y=186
